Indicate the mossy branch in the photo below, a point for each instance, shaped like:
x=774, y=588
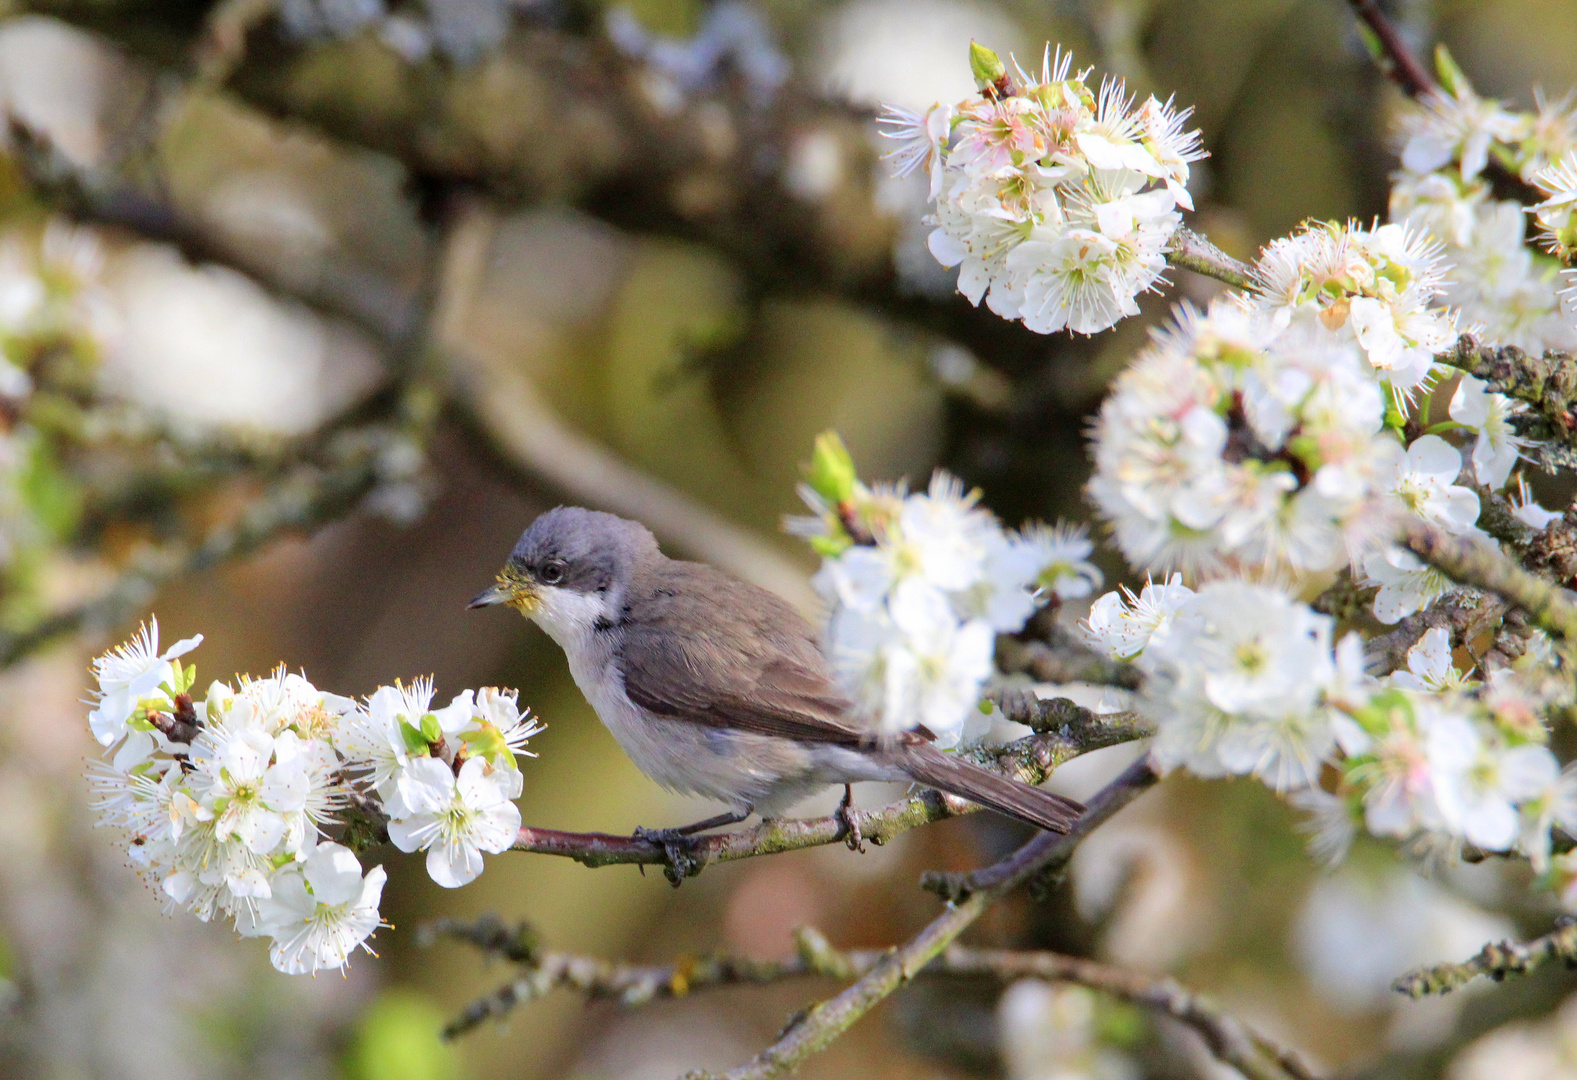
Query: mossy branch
x=1496, y=960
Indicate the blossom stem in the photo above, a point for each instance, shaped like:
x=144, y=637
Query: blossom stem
x=1497, y=960
x=1229, y=1040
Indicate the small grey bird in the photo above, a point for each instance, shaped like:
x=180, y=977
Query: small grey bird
x=713, y=686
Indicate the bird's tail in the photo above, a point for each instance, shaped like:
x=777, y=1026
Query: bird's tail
x=956, y=776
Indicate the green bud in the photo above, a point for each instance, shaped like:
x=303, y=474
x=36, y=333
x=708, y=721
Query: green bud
x=986, y=66
x=1451, y=77
x=831, y=470
x=430, y=729
x=415, y=742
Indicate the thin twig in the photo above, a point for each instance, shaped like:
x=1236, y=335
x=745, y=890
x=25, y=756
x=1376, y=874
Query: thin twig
x=1471, y=563
x=1192, y=251
x=1230, y=1040
x=1496, y=960
x=814, y=1029
x=1401, y=65
x=1071, y=731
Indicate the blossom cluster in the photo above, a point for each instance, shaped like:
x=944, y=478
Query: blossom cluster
x=920, y=583
x=1281, y=433
x=1451, y=141
x=230, y=801
x=1232, y=446
x=1242, y=680
x=1056, y=202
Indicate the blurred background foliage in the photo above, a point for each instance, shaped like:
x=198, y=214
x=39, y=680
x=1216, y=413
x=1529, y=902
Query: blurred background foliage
x=480, y=259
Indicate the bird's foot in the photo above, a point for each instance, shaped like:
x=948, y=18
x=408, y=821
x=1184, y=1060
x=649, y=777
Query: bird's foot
x=679, y=856
x=845, y=816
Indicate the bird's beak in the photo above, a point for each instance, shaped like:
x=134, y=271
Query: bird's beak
x=513, y=589
x=488, y=597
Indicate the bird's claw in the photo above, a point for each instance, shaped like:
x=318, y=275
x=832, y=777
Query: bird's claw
x=678, y=852
x=851, y=827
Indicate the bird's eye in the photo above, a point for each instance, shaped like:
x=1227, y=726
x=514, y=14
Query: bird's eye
x=552, y=572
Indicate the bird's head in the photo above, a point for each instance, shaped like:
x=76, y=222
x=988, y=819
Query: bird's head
x=570, y=565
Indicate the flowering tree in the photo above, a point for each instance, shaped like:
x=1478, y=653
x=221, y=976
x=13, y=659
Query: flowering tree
x=1320, y=475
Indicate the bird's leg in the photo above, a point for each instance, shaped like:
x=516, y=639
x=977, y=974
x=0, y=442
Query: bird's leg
x=678, y=843
x=845, y=815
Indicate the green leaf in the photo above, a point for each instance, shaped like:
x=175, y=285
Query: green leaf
x=986, y=66
x=831, y=470
x=430, y=728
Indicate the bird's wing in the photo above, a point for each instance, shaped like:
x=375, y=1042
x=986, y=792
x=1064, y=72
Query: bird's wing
x=750, y=663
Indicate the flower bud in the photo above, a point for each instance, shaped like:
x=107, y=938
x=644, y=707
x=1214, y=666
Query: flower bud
x=985, y=65
x=831, y=470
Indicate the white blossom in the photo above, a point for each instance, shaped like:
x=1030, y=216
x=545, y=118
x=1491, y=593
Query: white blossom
x=1234, y=686
x=1056, y=203
x=1061, y=556
x=128, y=673
x=1555, y=805
x=229, y=806
x=453, y=817
x=1425, y=484
x=1429, y=666
x=1478, y=779
x=1458, y=127
x=1558, y=212
x=1527, y=510
x=1234, y=446
x=1376, y=286
x=1406, y=583
x=1121, y=625
x=320, y=911
x=922, y=141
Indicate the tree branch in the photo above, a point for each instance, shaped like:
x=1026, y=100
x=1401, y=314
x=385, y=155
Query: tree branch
x=1228, y=1039
x=1471, y=563
x=1069, y=731
x=1497, y=960
x=819, y=1025
x=1548, y=383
